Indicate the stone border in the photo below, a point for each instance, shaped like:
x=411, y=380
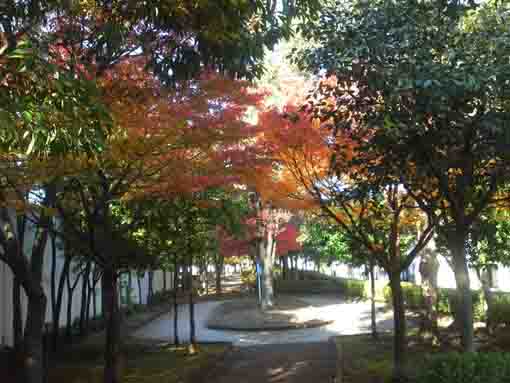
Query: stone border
x=296, y=326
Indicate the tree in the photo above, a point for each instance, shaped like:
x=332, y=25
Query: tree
x=431, y=96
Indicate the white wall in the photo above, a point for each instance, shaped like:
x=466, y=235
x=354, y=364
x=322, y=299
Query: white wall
x=6, y=287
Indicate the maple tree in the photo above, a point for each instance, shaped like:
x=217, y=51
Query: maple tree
x=166, y=144
x=63, y=49
x=321, y=168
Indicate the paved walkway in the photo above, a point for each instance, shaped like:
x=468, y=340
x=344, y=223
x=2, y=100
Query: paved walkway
x=292, y=356
x=348, y=318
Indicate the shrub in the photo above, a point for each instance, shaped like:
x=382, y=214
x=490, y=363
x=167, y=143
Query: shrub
x=467, y=368
x=413, y=295
x=352, y=288
x=499, y=313
x=448, y=302
x=348, y=288
x=249, y=277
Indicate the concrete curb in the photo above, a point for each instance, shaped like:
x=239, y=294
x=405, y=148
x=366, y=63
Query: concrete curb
x=299, y=326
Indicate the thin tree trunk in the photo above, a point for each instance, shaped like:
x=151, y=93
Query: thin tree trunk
x=176, y=304
x=69, y=324
x=33, y=339
x=112, y=345
x=219, y=271
x=57, y=302
x=164, y=280
x=84, y=295
x=139, y=282
x=150, y=289
x=192, y=336
x=372, y=301
x=484, y=277
x=266, y=257
x=400, y=336
x=17, y=323
x=55, y=309
x=71, y=287
x=465, y=299
x=90, y=293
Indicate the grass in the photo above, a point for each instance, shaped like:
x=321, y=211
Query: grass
x=139, y=364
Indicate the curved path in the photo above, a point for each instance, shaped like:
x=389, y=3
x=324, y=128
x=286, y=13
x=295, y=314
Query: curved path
x=291, y=356
x=347, y=317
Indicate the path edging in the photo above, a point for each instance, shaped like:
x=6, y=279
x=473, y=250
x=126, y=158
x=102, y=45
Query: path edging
x=299, y=326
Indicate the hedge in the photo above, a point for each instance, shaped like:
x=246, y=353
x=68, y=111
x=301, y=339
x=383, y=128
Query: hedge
x=466, y=368
x=348, y=288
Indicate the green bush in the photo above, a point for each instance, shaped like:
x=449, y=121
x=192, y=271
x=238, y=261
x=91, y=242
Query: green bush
x=352, y=288
x=500, y=310
x=447, y=299
x=249, y=277
x=448, y=302
x=413, y=295
x=348, y=288
x=467, y=368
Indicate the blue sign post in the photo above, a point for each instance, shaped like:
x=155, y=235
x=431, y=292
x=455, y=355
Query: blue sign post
x=259, y=272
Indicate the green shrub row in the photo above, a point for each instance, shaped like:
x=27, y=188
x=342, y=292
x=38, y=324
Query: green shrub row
x=315, y=283
x=467, y=368
x=447, y=299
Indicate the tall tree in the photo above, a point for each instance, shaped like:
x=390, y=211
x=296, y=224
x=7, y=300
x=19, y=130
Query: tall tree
x=432, y=98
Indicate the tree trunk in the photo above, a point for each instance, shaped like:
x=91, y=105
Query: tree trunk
x=192, y=336
x=112, y=373
x=484, y=277
x=150, y=289
x=164, y=280
x=57, y=303
x=399, y=337
x=176, y=304
x=139, y=283
x=69, y=319
x=17, y=323
x=90, y=292
x=84, y=296
x=266, y=258
x=372, y=301
x=429, y=267
x=219, y=271
x=33, y=338
x=464, y=310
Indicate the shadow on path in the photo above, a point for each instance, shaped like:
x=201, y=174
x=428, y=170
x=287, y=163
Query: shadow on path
x=289, y=363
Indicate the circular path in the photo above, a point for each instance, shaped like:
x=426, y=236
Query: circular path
x=291, y=356
x=346, y=318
